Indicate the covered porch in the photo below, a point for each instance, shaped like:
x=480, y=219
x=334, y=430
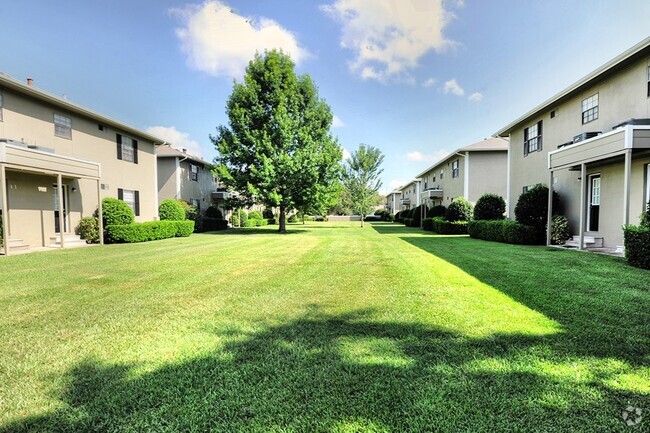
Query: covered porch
x=36, y=186
x=612, y=187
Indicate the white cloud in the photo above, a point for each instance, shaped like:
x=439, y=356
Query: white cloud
x=396, y=183
x=430, y=157
x=220, y=42
x=475, y=97
x=452, y=86
x=346, y=154
x=337, y=122
x=389, y=37
x=177, y=139
x=429, y=82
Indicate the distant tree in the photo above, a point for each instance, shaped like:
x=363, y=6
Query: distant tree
x=361, y=179
x=277, y=149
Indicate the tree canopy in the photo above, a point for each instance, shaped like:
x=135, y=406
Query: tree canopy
x=277, y=149
x=361, y=179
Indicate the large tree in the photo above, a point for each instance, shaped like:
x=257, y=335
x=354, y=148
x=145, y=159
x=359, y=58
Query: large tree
x=277, y=149
x=361, y=179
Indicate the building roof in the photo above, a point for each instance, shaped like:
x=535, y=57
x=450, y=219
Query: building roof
x=41, y=95
x=168, y=151
x=492, y=144
x=393, y=192
x=638, y=51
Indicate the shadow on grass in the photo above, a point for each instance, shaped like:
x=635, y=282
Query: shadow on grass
x=601, y=302
x=386, y=228
x=245, y=231
x=338, y=373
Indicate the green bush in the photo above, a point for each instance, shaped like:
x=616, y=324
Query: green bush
x=88, y=229
x=417, y=214
x=560, y=232
x=148, y=231
x=644, y=219
x=490, y=207
x=271, y=221
x=212, y=224
x=408, y=222
x=397, y=216
x=427, y=224
x=443, y=227
x=115, y=212
x=191, y=212
x=248, y=223
x=507, y=231
x=637, y=246
x=389, y=217
x=293, y=219
x=268, y=213
x=437, y=211
x=170, y=210
x=459, y=210
x=214, y=212
x=261, y=222
x=239, y=218
x=255, y=215
x=532, y=207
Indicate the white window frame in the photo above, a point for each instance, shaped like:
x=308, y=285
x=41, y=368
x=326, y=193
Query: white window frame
x=62, y=126
x=455, y=171
x=533, y=143
x=131, y=202
x=128, y=150
x=589, y=107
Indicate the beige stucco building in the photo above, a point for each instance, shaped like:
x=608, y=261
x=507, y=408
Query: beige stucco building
x=185, y=176
x=410, y=195
x=58, y=155
x=393, y=203
x=469, y=172
x=591, y=143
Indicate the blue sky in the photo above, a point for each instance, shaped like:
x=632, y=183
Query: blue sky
x=416, y=79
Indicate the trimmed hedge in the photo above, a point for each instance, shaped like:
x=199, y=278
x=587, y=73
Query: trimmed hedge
x=171, y=210
x=427, y=224
x=506, y=231
x=214, y=212
x=637, y=246
x=212, y=224
x=437, y=211
x=116, y=212
x=148, y=231
x=443, y=227
x=255, y=215
x=490, y=207
x=459, y=210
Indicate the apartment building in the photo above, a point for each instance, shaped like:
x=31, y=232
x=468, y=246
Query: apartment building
x=185, y=176
x=410, y=195
x=591, y=144
x=393, y=203
x=469, y=172
x=59, y=159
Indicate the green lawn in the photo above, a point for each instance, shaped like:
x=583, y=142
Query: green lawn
x=329, y=328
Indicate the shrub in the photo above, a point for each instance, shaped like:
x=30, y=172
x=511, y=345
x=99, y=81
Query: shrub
x=261, y=222
x=437, y=211
x=397, y=216
x=271, y=221
x=443, y=227
x=191, y=212
x=506, y=231
x=214, y=212
x=459, y=210
x=148, y=231
x=532, y=207
x=427, y=224
x=248, y=223
x=490, y=207
x=319, y=218
x=293, y=219
x=408, y=221
x=239, y=218
x=389, y=217
x=268, y=213
x=212, y=224
x=644, y=219
x=171, y=210
x=637, y=246
x=88, y=229
x=255, y=215
x=417, y=214
x=560, y=232
x=116, y=211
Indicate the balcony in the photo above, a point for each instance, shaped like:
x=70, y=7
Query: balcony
x=220, y=195
x=405, y=201
x=432, y=193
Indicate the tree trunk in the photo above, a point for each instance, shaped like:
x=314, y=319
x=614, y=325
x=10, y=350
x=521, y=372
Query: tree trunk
x=361, y=220
x=303, y=219
x=282, y=223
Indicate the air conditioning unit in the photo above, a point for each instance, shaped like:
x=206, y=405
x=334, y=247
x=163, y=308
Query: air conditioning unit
x=585, y=136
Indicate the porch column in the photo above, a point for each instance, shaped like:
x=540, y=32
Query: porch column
x=100, y=222
x=59, y=187
x=549, y=216
x=626, y=186
x=583, y=203
x=5, y=211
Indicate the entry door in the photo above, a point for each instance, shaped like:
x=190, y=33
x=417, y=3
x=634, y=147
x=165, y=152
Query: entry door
x=594, y=203
x=57, y=229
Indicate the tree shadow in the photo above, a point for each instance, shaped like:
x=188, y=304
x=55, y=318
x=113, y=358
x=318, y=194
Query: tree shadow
x=601, y=302
x=337, y=373
x=386, y=228
x=247, y=231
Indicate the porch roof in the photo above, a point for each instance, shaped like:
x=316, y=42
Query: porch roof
x=601, y=147
x=21, y=157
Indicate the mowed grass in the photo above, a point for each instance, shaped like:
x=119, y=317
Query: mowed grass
x=330, y=328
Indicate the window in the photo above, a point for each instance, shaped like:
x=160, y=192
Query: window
x=553, y=114
x=533, y=138
x=127, y=148
x=454, y=169
x=194, y=172
x=590, y=109
x=433, y=178
x=442, y=173
x=196, y=203
x=62, y=126
x=130, y=197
